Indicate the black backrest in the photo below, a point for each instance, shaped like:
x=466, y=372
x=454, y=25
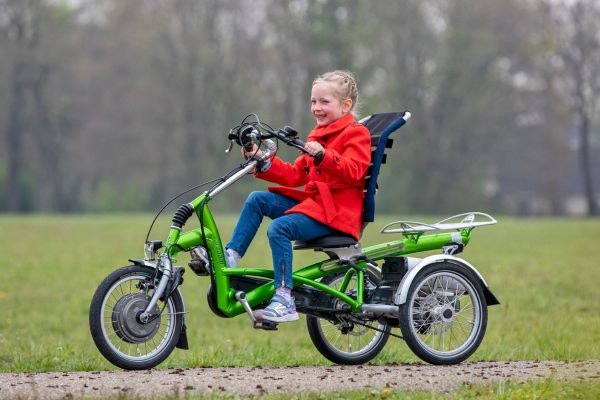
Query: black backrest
x=380, y=126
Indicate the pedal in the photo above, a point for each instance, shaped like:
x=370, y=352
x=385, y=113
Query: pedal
x=200, y=262
x=199, y=267
x=265, y=325
x=256, y=323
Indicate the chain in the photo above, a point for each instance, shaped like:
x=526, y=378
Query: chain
x=351, y=318
x=358, y=322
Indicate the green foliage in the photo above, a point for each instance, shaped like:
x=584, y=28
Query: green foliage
x=109, y=91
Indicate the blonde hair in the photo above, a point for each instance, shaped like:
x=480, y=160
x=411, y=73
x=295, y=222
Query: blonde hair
x=344, y=84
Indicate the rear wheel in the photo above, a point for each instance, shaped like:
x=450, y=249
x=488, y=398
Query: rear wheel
x=348, y=339
x=445, y=315
x=114, y=319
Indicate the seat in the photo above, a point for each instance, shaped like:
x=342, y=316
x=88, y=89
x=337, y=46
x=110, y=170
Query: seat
x=381, y=126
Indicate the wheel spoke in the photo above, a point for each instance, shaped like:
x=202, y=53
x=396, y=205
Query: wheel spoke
x=444, y=312
x=146, y=340
x=349, y=341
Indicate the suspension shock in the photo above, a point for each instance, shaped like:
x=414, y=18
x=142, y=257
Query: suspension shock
x=181, y=215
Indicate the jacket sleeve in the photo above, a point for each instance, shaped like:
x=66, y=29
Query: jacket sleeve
x=352, y=163
x=286, y=174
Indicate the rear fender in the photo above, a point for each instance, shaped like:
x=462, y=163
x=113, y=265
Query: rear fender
x=402, y=292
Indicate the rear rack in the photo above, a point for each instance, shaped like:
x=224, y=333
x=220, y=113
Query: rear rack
x=457, y=222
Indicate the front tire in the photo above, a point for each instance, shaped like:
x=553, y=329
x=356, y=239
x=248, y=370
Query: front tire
x=117, y=332
x=445, y=315
x=343, y=341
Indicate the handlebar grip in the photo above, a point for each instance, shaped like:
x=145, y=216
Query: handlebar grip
x=287, y=135
x=319, y=157
x=300, y=145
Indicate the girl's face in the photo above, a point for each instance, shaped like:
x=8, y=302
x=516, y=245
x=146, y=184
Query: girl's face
x=325, y=105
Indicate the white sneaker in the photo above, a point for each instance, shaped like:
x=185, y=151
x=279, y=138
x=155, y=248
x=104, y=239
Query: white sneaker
x=279, y=310
x=232, y=258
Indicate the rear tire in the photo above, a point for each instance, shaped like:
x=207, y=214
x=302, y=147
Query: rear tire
x=117, y=332
x=344, y=342
x=445, y=315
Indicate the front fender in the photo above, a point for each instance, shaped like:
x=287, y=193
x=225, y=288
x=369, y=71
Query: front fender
x=402, y=292
x=143, y=263
x=182, y=343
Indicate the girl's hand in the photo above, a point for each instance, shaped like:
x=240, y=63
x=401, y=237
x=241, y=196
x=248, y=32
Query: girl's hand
x=314, y=148
x=255, y=152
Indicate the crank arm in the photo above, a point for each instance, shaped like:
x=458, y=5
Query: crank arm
x=241, y=297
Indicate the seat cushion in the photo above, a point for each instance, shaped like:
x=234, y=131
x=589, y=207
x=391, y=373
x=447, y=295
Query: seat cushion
x=326, y=242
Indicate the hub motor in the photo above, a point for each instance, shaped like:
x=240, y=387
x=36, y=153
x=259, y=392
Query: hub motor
x=125, y=318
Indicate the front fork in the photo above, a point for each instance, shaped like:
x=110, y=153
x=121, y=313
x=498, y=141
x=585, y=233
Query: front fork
x=165, y=263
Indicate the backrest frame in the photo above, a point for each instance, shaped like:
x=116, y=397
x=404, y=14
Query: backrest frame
x=380, y=126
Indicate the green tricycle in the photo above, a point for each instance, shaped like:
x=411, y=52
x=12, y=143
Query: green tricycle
x=352, y=298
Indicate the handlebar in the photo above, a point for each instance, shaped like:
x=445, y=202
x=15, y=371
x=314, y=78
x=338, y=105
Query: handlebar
x=248, y=133
x=295, y=142
x=289, y=136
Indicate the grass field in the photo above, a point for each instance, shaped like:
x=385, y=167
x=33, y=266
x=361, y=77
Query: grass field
x=544, y=271
x=546, y=389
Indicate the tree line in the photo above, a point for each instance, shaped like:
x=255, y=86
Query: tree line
x=109, y=105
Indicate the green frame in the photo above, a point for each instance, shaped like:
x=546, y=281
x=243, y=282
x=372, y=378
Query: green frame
x=308, y=275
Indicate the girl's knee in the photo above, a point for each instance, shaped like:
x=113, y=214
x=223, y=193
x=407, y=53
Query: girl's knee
x=273, y=229
x=256, y=196
x=256, y=200
x=277, y=229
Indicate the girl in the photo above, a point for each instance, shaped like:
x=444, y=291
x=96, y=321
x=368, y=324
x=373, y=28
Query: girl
x=332, y=197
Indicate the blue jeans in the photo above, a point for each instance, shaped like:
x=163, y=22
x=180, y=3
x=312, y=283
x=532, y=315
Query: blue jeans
x=281, y=231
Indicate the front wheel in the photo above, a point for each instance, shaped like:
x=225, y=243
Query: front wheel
x=116, y=329
x=348, y=339
x=445, y=315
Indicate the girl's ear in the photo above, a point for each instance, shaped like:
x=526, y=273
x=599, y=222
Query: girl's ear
x=346, y=106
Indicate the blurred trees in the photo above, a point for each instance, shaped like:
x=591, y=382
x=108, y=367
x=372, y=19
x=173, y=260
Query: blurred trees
x=29, y=66
x=117, y=105
x=575, y=29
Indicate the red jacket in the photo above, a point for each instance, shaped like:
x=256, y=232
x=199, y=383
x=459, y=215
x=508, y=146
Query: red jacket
x=333, y=189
